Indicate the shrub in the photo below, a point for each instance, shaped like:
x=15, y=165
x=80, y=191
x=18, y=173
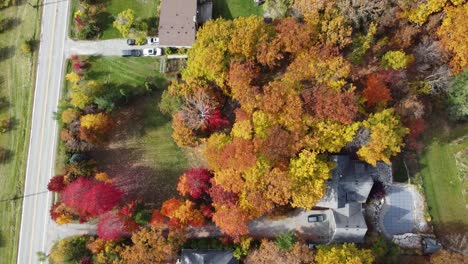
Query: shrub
x=285, y=241
x=26, y=48
x=458, y=97
x=69, y=250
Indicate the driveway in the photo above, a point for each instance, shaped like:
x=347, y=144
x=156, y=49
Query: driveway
x=402, y=211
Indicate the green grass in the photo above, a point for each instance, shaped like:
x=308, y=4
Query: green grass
x=17, y=78
x=230, y=9
x=442, y=179
x=146, y=10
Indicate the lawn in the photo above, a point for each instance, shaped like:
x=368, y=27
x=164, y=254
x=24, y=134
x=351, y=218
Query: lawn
x=445, y=185
x=147, y=10
x=230, y=9
x=141, y=156
x=17, y=78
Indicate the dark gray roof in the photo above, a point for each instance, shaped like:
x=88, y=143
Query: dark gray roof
x=208, y=256
x=177, y=23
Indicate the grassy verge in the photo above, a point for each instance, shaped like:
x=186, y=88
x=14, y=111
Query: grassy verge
x=17, y=78
x=230, y=9
x=444, y=185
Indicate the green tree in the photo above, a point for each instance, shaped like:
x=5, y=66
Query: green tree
x=69, y=250
x=458, y=97
x=362, y=43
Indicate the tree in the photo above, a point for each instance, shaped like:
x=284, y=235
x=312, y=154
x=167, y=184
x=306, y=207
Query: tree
x=396, y=60
x=458, y=97
x=195, y=182
x=327, y=103
x=113, y=226
x=89, y=198
x=94, y=127
x=6, y=124
x=376, y=92
x=232, y=220
x=343, y=254
x=69, y=115
x=124, y=22
x=240, y=80
x=157, y=219
x=444, y=256
x=69, y=250
x=182, y=134
x=152, y=246
x=268, y=253
x=453, y=35
x=294, y=36
x=362, y=42
x=308, y=173
x=56, y=184
x=73, y=77
x=387, y=135
x=420, y=14
x=197, y=110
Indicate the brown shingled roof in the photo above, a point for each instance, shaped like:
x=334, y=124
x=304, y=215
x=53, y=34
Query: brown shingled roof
x=177, y=23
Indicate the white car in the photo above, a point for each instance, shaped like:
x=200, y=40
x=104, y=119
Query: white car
x=152, y=52
x=153, y=40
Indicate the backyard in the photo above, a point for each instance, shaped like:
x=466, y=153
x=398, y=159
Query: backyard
x=17, y=78
x=443, y=169
x=141, y=155
x=230, y=9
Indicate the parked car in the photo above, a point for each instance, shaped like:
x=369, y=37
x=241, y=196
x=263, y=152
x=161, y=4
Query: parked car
x=153, y=40
x=131, y=53
x=316, y=218
x=152, y=52
x=131, y=42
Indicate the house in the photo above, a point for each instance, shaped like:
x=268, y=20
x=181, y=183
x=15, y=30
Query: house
x=197, y=256
x=347, y=190
x=179, y=21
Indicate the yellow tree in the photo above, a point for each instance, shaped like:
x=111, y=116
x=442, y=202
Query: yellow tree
x=308, y=173
x=151, y=246
x=453, y=34
x=386, y=140
x=346, y=253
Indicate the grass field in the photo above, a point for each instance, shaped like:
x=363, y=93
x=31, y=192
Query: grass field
x=146, y=10
x=230, y=9
x=141, y=156
x=445, y=185
x=17, y=78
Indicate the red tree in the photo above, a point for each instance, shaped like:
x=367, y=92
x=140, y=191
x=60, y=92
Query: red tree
x=113, y=226
x=157, y=219
x=376, y=92
x=216, y=121
x=102, y=197
x=416, y=127
x=170, y=206
x=195, y=182
x=56, y=184
x=220, y=196
x=89, y=198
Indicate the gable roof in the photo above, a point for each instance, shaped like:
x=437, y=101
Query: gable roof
x=208, y=256
x=177, y=23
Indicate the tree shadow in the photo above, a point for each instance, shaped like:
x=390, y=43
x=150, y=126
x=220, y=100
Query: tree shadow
x=7, y=52
x=4, y=104
x=9, y=24
x=153, y=25
x=104, y=21
x=453, y=235
x=221, y=9
x=2, y=240
x=137, y=181
x=5, y=155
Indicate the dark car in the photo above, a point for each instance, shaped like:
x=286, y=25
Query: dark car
x=131, y=53
x=131, y=42
x=316, y=218
x=311, y=245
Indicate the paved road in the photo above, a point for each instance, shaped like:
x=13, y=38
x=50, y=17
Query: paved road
x=37, y=230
